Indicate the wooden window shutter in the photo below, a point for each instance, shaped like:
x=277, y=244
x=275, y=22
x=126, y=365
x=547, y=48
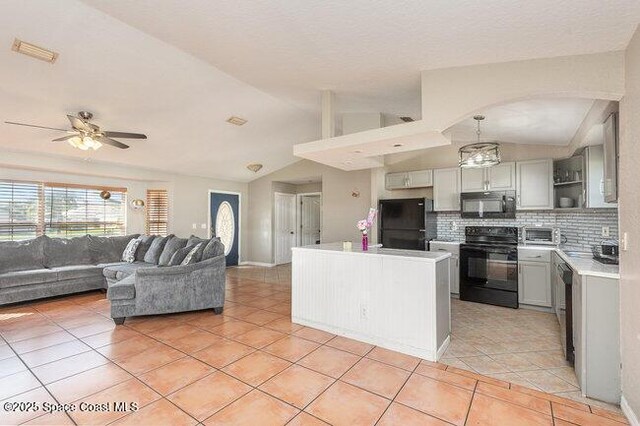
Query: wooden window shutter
x=157, y=212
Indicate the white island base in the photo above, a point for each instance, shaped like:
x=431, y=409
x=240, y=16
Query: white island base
x=396, y=299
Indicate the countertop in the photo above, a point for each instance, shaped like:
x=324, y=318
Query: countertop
x=378, y=251
x=583, y=265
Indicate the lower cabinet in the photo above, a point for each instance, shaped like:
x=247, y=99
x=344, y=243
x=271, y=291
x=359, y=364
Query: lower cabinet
x=534, y=283
x=454, y=249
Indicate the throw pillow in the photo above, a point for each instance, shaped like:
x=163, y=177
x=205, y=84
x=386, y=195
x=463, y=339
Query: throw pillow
x=179, y=255
x=155, y=250
x=213, y=248
x=129, y=253
x=172, y=245
x=194, y=255
x=145, y=244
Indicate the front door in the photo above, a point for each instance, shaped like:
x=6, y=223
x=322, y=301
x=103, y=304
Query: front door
x=225, y=223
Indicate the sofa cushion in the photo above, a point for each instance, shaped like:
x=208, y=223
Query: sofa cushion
x=21, y=255
x=129, y=253
x=123, y=270
x=124, y=289
x=194, y=255
x=193, y=240
x=173, y=245
x=66, y=251
x=213, y=248
x=179, y=255
x=154, y=252
x=108, y=249
x=34, y=276
x=143, y=248
x=77, y=271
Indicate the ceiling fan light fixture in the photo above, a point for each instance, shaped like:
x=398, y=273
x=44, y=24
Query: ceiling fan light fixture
x=84, y=143
x=34, y=51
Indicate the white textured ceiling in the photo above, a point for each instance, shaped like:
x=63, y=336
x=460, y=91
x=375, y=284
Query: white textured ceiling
x=371, y=51
x=537, y=121
x=134, y=82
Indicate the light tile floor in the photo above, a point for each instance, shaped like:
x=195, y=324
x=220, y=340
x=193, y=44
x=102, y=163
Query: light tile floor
x=251, y=365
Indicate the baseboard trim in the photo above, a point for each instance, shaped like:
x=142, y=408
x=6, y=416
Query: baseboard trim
x=626, y=409
x=250, y=263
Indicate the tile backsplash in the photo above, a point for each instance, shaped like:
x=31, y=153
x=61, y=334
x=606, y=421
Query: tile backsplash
x=582, y=228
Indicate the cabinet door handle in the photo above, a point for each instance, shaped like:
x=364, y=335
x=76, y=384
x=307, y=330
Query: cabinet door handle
x=518, y=198
x=519, y=269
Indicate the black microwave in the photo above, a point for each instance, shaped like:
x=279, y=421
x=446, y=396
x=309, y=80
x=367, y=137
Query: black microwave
x=488, y=205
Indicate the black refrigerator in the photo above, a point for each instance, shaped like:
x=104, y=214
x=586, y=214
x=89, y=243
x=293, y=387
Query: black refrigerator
x=407, y=223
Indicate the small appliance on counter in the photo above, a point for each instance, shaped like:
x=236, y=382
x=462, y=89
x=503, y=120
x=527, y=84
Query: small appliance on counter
x=607, y=252
x=541, y=235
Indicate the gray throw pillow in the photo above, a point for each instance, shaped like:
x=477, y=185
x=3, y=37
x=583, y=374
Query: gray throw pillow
x=129, y=253
x=67, y=251
x=179, y=255
x=193, y=240
x=21, y=255
x=194, y=255
x=155, y=250
x=213, y=248
x=143, y=248
x=108, y=249
x=173, y=244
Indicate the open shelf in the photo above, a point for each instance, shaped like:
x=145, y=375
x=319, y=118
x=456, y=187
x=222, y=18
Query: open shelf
x=574, y=182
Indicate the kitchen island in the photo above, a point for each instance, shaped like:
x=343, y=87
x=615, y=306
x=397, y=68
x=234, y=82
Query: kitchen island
x=396, y=299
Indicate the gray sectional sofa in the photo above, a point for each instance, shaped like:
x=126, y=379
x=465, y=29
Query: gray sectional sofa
x=156, y=282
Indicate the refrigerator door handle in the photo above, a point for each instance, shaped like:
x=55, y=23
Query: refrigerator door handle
x=422, y=230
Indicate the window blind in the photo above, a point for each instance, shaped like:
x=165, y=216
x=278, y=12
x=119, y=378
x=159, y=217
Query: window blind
x=21, y=210
x=72, y=210
x=157, y=212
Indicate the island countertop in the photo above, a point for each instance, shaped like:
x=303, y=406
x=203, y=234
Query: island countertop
x=379, y=251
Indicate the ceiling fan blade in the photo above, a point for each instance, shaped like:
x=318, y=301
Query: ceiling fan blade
x=125, y=135
x=38, y=127
x=64, y=138
x=82, y=125
x=108, y=141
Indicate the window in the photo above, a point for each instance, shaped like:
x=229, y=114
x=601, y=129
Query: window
x=71, y=211
x=157, y=212
x=20, y=210
x=29, y=209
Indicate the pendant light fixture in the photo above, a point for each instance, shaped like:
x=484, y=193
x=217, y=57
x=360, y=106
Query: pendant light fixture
x=479, y=154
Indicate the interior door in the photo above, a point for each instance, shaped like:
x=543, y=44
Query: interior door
x=310, y=219
x=285, y=226
x=225, y=223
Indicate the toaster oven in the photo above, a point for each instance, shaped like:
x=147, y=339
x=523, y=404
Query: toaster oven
x=541, y=235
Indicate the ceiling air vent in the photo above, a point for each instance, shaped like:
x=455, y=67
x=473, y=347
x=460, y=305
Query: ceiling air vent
x=34, y=51
x=407, y=119
x=236, y=120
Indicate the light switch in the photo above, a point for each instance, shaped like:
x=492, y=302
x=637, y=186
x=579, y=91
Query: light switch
x=203, y=226
x=605, y=231
x=195, y=226
x=624, y=242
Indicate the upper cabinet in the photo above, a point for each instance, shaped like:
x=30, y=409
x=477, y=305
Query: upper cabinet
x=497, y=178
x=610, y=136
x=594, y=183
x=534, y=185
x=446, y=189
x=406, y=180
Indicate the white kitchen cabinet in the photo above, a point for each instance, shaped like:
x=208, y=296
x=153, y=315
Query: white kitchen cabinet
x=534, y=185
x=446, y=189
x=407, y=180
x=497, y=178
x=534, y=283
x=473, y=180
x=454, y=249
x=594, y=182
x=502, y=177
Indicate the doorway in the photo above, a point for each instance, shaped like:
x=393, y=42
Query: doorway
x=285, y=226
x=224, y=222
x=309, y=218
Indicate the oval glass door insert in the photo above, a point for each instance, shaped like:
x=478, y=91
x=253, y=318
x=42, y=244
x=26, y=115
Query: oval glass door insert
x=225, y=226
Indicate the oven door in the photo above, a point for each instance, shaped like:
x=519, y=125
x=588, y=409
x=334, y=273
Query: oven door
x=487, y=205
x=489, y=267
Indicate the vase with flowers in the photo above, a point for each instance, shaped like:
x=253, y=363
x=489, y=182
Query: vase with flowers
x=364, y=225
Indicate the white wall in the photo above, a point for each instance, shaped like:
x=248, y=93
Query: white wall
x=629, y=201
x=188, y=195
x=340, y=211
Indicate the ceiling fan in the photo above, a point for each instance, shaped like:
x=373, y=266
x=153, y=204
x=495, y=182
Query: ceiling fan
x=85, y=135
